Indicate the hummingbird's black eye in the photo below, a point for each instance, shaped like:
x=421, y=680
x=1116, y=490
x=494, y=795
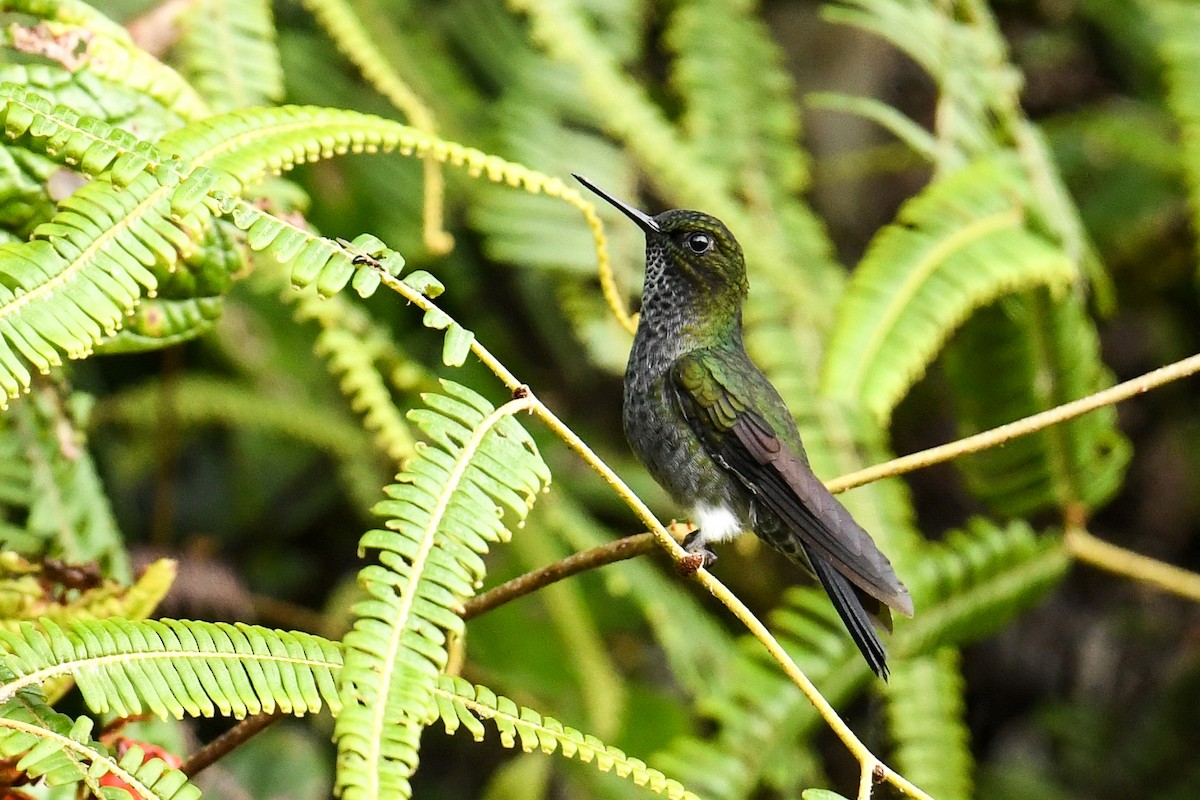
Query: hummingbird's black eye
x=699, y=243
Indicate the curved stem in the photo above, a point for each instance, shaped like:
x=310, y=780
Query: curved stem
x=228, y=741
x=1087, y=548
x=611, y=552
x=1022, y=427
x=522, y=393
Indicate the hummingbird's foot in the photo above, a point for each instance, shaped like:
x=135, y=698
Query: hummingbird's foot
x=690, y=564
x=699, y=556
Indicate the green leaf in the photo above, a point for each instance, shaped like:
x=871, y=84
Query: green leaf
x=461, y=704
x=1024, y=355
x=1178, y=24
x=457, y=345
x=176, y=668
x=445, y=511
x=926, y=717
x=955, y=247
x=229, y=54
x=821, y=794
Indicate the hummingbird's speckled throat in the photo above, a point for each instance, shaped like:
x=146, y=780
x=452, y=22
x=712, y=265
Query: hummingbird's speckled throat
x=716, y=435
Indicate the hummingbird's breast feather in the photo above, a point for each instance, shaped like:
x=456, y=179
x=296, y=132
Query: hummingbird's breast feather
x=672, y=452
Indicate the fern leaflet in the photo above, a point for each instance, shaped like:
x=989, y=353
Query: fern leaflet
x=229, y=52
x=444, y=514
x=1179, y=23
x=925, y=713
x=462, y=705
x=176, y=668
x=955, y=247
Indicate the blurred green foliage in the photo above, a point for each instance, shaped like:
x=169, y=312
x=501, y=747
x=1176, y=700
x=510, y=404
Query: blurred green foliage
x=983, y=212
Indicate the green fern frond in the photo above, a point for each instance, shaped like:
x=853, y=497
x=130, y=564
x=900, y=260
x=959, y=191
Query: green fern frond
x=89, y=265
x=926, y=712
x=49, y=746
x=112, y=56
x=1021, y=356
x=106, y=247
x=462, y=705
x=250, y=143
x=963, y=590
x=749, y=132
x=896, y=122
x=87, y=94
x=979, y=111
x=73, y=285
x=53, y=502
x=229, y=54
x=358, y=45
x=955, y=247
x=176, y=668
x=1179, y=48
x=351, y=353
x=975, y=581
x=330, y=266
x=442, y=517
x=24, y=595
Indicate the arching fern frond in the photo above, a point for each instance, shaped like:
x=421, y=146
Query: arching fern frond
x=91, y=95
x=49, y=746
x=89, y=265
x=111, y=55
x=53, y=502
x=1023, y=355
x=73, y=285
x=925, y=713
x=444, y=514
x=351, y=353
x=1179, y=48
x=975, y=581
x=963, y=590
x=750, y=132
x=228, y=52
x=27, y=592
x=956, y=246
x=462, y=705
x=176, y=668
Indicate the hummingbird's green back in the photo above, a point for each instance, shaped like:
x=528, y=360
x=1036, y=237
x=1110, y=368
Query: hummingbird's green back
x=714, y=432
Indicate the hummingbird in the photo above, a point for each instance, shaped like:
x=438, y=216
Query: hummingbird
x=712, y=430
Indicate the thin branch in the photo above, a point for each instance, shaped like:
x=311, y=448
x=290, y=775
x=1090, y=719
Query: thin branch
x=1087, y=548
x=520, y=391
x=231, y=739
x=1022, y=427
x=619, y=550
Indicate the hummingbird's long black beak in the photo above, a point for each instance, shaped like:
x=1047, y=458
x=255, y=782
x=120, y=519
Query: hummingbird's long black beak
x=643, y=220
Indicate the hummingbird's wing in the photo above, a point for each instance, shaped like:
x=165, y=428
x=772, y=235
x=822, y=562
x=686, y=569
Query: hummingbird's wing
x=723, y=404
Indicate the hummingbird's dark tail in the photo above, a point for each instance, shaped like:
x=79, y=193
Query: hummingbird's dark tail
x=855, y=617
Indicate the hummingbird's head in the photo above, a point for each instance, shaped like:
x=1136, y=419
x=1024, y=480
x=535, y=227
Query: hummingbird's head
x=694, y=245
